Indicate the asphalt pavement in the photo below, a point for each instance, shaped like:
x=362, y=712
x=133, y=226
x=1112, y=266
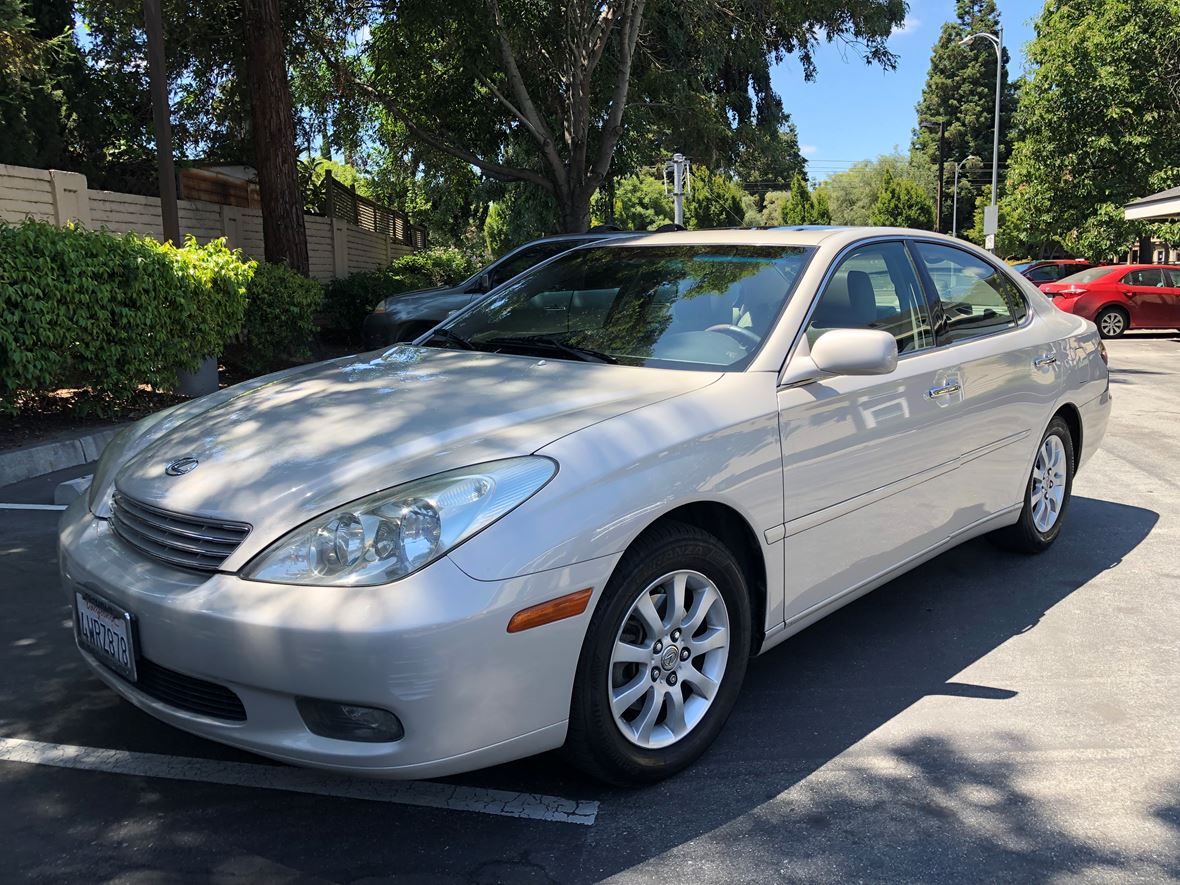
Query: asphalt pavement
x=988, y=717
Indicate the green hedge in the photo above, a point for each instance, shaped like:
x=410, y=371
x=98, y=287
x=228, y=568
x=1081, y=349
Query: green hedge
x=280, y=312
x=109, y=313
x=349, y=300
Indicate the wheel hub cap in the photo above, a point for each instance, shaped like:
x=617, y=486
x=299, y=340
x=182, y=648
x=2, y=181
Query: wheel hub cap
x=659, y=688
x=1047, y=488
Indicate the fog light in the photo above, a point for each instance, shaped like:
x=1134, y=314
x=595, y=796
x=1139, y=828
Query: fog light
x=349, y=722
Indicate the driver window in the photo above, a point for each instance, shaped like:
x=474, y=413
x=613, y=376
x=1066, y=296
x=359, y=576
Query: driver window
x=875, y=287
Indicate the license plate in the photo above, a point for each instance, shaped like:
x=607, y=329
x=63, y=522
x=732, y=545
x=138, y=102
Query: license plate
x=106, y=631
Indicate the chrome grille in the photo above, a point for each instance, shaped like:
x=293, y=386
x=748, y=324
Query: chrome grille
x=191, y=542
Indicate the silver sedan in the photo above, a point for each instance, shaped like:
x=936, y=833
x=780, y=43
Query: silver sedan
x=570, y=515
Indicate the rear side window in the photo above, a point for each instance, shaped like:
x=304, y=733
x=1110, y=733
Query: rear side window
x=977, y=299
x=1147, y=276
x=875, y=287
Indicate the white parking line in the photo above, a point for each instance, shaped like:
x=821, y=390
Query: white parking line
x=533, y=806
x=33, y=506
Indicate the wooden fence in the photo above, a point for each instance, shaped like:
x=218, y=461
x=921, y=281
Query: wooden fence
x=343, y=202
x=336, y=245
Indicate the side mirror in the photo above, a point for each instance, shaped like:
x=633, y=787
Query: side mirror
x=855, y=352
x=845, y=352
x=483, y=283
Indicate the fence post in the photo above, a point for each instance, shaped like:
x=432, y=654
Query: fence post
x=231, y=226
x=339, y=247
x=329, y=203
x=71, y=198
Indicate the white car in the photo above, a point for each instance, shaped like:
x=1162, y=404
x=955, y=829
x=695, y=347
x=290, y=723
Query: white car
x=569, y=515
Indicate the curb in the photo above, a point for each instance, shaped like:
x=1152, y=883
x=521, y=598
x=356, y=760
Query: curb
x=21, y=464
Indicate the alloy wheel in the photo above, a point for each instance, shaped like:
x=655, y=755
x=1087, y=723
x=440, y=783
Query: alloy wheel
x=1047, y=495
x=1112, y=324
x=668, y=659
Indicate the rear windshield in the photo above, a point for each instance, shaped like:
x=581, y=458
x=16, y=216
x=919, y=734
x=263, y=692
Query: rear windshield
x=686, y=307
x=1088, y=275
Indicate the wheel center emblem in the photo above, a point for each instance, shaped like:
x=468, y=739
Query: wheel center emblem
x=670, y=657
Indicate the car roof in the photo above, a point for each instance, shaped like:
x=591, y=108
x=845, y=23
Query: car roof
x=795, y=235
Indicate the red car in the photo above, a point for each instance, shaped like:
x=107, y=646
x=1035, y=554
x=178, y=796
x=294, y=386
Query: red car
x=1121, y=297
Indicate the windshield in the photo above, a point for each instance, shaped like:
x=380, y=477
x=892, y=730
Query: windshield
x=688, y=307
x=1022, y=266
x=1088, y=275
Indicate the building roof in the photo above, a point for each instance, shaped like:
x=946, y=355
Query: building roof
x=1165, y=204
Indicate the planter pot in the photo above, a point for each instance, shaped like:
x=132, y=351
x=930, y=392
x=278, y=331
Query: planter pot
x=200, y=382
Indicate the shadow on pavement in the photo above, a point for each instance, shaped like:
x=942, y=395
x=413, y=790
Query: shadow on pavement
x=927, y=813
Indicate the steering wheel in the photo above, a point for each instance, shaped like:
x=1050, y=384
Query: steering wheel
x=743, y=336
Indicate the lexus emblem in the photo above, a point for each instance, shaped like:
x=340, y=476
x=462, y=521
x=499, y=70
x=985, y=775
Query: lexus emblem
x=181, y=466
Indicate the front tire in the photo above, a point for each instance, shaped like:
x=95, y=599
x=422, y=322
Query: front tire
x=1047, y=495
x=663, y=659
x=1112, y=322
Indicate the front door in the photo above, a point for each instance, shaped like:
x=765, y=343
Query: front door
x=867, y=460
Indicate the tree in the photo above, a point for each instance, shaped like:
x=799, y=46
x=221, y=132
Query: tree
x=273, y=132
x=802, y=206
x=852, y=194
x=715, y=200
x=769, y=159
x=902, y=203
x=539, y=93
x=961, y=89
x=640, y=203
x=1097, y=119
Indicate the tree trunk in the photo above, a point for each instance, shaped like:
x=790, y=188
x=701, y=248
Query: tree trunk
x=274, y=136
x=573, y=210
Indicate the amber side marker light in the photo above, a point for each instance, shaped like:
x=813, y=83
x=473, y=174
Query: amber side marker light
x=554, y=610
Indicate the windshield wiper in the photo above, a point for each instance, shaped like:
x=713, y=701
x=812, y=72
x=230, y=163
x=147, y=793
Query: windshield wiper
x=585, y=354
x=453, y=337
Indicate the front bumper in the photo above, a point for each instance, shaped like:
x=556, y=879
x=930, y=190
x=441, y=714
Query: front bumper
x=433, y=649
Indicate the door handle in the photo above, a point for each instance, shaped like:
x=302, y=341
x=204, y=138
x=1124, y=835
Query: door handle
x=945, y=390
x=1041, y=362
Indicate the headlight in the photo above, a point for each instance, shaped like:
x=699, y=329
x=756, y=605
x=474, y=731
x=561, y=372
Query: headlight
x=382, y=306
x=394, y=533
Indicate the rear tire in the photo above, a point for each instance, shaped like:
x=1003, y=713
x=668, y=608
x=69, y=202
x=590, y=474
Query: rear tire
x=703, y=647
x=1112, y=322
x=1047, y=495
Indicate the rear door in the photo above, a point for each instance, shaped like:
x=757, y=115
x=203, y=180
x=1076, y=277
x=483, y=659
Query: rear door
x=1009, y=375
x=1150, y=295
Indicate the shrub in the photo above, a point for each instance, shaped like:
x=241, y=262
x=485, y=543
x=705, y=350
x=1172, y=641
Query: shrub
x=280, y=313
x=109, y=313
x=348, y=300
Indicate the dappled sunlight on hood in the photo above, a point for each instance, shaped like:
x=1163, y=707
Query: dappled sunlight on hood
x=291, y=448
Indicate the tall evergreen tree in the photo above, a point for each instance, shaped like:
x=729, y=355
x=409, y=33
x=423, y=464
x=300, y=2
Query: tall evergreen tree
x=961, y=89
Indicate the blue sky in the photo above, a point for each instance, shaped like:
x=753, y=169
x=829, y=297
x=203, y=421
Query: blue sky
x=853, y=112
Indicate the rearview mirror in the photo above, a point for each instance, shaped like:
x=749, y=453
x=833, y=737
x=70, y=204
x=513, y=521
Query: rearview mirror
x=855, y=352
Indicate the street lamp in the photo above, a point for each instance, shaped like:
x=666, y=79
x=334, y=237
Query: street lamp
x=997, y=41
x=955, y=210
x=940, y=125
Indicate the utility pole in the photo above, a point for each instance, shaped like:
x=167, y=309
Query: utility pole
x=161, y=116
x=941, y=126
x=679, y=166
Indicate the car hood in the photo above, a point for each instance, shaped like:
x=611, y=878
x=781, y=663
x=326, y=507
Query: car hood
x=285, y=451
